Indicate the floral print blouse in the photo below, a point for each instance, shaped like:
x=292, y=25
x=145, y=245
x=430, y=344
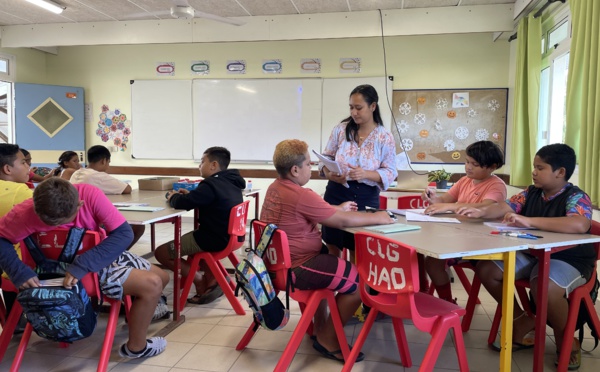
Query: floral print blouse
x=377, y=153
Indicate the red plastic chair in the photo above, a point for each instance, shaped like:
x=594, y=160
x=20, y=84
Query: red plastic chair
x=390, y=268
x=278, y=262
x=237, y=233
x=411, y=202
x=581, y=295
x=383, y=202
x=51, y=244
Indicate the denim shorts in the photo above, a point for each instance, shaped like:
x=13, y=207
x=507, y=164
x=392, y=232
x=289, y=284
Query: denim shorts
x=561, y=273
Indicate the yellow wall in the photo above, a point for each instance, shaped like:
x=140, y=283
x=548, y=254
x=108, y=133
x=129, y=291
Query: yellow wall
x=31, y=65
x=431, y=61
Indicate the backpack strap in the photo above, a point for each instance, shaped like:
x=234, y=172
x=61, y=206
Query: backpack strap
x=35, y=252
x=265, y=240
x=72, y=244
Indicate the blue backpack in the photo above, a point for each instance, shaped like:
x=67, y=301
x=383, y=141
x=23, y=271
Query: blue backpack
x=55, y=312
x=255, y=283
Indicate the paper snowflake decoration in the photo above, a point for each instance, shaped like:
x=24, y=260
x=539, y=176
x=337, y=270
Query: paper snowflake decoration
x=441, y=103
x=461, y=133
x=404, y=108
x=407, y=144
x=493, y=105
x=449, y=145
x=402, y=126
x=420, y=119
x=482, y=134
x=438, y=125
x=471, y=113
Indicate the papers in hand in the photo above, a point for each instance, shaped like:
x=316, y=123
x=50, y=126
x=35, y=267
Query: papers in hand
x=56, y=282
x=139, y=208
x=393, y=228
x=332, y=165
x=504, y=227
x=420, y=217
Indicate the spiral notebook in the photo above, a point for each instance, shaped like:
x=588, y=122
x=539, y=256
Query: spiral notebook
x=393, y=228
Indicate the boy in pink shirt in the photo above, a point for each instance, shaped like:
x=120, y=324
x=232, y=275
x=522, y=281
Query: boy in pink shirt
x=58, y=203
x=477, y=189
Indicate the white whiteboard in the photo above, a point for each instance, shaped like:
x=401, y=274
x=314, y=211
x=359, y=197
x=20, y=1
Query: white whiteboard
x=250, y=116
x=336, y=94
x=161, y=119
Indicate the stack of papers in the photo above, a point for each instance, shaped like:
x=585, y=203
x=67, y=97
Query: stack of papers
x=129, y=204
x=420, y=217
x=393, y=228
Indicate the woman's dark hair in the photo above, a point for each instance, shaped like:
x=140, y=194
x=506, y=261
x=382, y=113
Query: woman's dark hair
x=64, y=157
x=370, y=96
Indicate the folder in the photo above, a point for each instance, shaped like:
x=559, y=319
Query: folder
x=393, y=228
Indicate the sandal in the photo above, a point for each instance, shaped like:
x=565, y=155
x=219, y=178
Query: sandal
x=207, y=297
x=526, y=343
x=332, y=354
x=574, y=358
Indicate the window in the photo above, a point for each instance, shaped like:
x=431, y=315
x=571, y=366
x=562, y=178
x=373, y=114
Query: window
x=556, y=42
x=7, y=75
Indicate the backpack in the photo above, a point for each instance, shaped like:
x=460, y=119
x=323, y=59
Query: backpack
x=55, y=312
x=583, y=317
x=255, y=283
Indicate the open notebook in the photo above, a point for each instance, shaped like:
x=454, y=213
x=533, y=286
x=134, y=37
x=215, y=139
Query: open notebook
x=393, y=228
x=139, y=208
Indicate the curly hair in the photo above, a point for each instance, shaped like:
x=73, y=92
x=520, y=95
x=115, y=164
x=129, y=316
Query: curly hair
x=55, y=201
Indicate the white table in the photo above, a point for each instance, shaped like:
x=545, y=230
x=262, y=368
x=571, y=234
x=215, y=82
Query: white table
x=447, y=240
x=168, y=214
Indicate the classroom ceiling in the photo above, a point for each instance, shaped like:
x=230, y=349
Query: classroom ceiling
x=20, y=12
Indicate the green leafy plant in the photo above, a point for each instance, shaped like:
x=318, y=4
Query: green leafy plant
x=438, y=175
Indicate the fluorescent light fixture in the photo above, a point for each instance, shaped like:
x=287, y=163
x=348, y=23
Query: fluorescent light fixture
x=48, y=5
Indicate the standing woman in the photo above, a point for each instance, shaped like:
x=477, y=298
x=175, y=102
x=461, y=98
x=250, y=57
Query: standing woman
x=68, y=163
x=365, y=151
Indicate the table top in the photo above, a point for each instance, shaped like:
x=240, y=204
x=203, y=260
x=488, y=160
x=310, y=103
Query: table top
x=154, y=199
x=447, y=240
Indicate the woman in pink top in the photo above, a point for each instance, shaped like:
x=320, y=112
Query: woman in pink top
x=477, y=189
x=366, y=152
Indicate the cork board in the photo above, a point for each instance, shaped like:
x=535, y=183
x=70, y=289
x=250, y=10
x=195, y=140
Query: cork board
x=436, y=126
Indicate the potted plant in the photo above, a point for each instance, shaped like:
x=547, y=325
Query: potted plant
x=440, y=177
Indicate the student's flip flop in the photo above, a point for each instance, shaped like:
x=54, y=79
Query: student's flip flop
x=574, y=358
x=332, y=354
x=209, y=296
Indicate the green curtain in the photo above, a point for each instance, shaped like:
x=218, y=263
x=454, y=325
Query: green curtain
x=583, y=93
x=526, y=104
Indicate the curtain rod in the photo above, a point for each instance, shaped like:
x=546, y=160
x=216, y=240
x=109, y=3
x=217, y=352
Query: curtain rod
x=548, y=3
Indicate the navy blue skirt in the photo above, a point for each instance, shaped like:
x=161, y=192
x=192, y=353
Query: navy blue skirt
x=336, y=194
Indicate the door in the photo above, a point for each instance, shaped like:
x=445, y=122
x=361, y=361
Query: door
x=49, y=119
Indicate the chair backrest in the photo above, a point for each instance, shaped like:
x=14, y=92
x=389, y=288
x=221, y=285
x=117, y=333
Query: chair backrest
x=277, y=255
x=383, y=202
x=237, y=225
x=385, y=265
x=411, y=202
x=51, y=244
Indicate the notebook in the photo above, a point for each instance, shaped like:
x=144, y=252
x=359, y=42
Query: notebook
x=410, y=180
x=393, y=228
x=139, y=208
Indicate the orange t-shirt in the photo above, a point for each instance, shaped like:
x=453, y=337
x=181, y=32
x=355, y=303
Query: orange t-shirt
x=466, y=191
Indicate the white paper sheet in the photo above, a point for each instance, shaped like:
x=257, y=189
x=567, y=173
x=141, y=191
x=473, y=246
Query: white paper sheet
x=411, y=216
x=332, y=165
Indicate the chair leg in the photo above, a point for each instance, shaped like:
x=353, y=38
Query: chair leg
x=298, y=334
x=495, y=325
x=459, y=345
x=109, y=336
x=438, y=334
x=402, y=342
x=217, y=269
x=187, y=281
x=471, y=302
x=565, y=350
x=9, y=328
x=247, y=336
x=460, y=272
x=21, y=349
x=337, y=323
x=360, y=340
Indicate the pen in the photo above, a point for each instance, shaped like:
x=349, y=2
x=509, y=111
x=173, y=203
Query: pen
x=516, y=234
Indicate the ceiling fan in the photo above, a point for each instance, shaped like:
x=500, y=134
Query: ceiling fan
x=181, y=9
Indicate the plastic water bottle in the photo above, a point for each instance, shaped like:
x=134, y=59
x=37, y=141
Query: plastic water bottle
x=249, y=185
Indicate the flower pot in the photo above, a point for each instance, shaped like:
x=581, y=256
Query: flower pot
x=443, y=184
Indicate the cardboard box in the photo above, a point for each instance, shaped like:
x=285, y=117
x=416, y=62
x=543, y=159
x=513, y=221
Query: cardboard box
x=157, y=183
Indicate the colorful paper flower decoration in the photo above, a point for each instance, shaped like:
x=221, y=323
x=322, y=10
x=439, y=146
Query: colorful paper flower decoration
x=113, y=127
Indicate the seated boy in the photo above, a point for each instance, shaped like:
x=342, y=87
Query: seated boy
x=56, y=202
x=214, y=197
x=298, y=211
x=95, y=174
x=14, y=172
x=551, y=204
x=477, y=189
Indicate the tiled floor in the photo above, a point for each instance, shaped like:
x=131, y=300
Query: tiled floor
x=207, y=340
